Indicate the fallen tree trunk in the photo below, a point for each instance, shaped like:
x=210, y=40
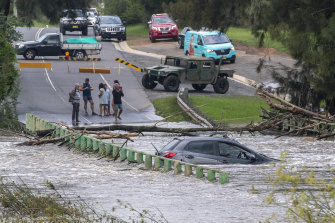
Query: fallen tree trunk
x=43, y=141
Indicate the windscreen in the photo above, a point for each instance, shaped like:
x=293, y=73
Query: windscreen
x=170, y=146
x=216, y=39
x=42, y=38
x=165, y=19
x=75, y=13
x=110, y=20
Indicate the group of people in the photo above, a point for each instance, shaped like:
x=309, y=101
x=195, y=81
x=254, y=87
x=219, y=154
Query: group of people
x=105, y=102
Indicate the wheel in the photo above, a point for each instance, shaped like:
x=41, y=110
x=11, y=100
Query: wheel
x=187, y=53
x=124, y=38
x=180, y=44
x=95, y=33
x=148, y=83
x=175, y=38
x=84, y=31
x=221, y=86
x=79, y=54
x=151, y=38
x=171, y=83
x=199, y=87
x=29, y=54
x=232, y=60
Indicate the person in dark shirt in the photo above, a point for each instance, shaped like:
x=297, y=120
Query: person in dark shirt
x=86, y=88
x=117, y=101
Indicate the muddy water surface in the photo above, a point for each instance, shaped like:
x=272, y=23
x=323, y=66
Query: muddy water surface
x=179, y=198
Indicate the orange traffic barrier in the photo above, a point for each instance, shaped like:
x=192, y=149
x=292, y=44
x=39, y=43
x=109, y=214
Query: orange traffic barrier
x=35, y=65
x=94, y=70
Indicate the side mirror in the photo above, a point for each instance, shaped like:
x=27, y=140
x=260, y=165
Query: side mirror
x=230, y=40
x=124, y=23
x=149, y=22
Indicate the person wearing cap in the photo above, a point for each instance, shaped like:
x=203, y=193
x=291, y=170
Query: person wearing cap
x=86, y=88
x=76, y=103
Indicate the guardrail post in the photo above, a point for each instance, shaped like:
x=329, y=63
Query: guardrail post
x=157, y=163
x=139, y=157
x=199, y=172
x=167, y=165
x=77, y=142
x=176, y=167
x=101, y=147
x=89, y=143
x=115, y=151
x=123, y=155
x=131, y=156
x=95, y=144
x=224, y=178
x=211, y=175
x=109, y=149
x=188, y=170
x=83, y=143
x=148, y=161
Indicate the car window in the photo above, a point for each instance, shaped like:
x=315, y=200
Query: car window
x=53, y=39
x=164, y=19
x=206, y=65
x=169, y=61
x=232, y=151
x=200, y=41
x=216, y=39
x=202, y=147
x=192, y=65
x=110, y=20
x=183, y=63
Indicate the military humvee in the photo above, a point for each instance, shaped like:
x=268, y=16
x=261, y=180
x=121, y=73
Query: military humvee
x=198, y=71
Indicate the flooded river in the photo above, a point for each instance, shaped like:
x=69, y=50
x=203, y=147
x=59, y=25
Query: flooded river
x=179, y=198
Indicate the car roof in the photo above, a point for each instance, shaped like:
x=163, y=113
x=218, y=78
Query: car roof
x=204, y=33
x=160, y=15
x=191, y=58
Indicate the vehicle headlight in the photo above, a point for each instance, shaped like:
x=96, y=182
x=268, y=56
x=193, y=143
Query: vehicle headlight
x=174, y=27
x=21, y=46
x=209, y=51
x=155, y=28
x=66, y=22
x=123, y=28
x=233, y=48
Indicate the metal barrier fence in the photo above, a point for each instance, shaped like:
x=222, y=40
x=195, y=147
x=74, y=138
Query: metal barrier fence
x=151, y=162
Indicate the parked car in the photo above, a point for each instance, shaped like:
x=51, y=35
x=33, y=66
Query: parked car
x=162, y=26
x=94, y=10
x=212, y=44
x=91, y=18
x=110, y=27
x=181, y=37
x=212, y=150
x=52, y=44
x=73, y=20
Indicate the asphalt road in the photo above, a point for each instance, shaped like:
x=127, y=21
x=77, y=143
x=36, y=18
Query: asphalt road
x=45, y=93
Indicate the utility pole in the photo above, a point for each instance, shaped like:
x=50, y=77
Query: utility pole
x=14, y=8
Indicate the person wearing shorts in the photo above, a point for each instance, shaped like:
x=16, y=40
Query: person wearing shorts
x=117, y=101
x=86, y=88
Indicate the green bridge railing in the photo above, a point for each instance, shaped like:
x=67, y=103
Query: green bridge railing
x=87, y=143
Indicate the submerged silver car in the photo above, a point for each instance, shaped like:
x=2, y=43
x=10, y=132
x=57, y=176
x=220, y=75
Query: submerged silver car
x=211, y=150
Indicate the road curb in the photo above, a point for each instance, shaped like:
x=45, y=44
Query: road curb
x=123, y=46
x=87, y=143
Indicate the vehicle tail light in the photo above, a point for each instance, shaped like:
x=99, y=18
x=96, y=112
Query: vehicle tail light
x=169, y=155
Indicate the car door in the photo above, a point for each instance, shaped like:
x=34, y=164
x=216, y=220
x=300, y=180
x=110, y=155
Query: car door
x=206, y=73
x=50, y=46
x=200, y=152
x=229, y=153
x=192, y=70
x=199, y=47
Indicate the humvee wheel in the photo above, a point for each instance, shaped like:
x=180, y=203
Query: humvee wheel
x=221, y=86
x=171, y=83
x=199, y=87
x=148, y=83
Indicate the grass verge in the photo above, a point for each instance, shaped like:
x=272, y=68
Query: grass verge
x=44, y=24
x=244, y=36
x=168, y=106
x=139, y=30
x=232, y=109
